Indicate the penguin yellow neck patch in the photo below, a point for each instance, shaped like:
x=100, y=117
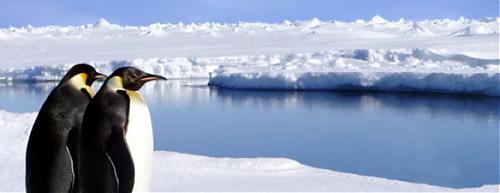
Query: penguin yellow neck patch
x=134, y=96
x=115, y=83
x=78, y=81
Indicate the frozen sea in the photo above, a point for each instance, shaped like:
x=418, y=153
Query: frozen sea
x=436, y=139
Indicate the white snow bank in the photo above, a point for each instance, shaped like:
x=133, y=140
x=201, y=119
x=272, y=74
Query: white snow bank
x=183, y=172
x=416, y=70
x=461, y=83
x=477, y=29
x=168, y=67
x=103, y=41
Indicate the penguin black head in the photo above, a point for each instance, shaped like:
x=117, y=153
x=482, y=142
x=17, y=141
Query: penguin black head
x=86, y=73
x=132, y=78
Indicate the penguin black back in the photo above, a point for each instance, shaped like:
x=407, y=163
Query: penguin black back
x=53, y=138
x=107, y=165
x=104, y=118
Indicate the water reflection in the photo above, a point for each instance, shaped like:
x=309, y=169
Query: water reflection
x=24, y=97
x=458, y=106
x=445, y=140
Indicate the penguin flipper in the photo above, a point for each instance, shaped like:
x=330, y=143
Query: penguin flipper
x=115, y=175
x=72, y=148
x=120, y=155
x=98, y=173
x=72, y=171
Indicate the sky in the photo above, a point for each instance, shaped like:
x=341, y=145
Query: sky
x=145, y=12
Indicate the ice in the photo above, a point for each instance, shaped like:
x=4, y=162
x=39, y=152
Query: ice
x=184, y=172
x=102, y=23
x=477, y=29
x=442, y=55
x=418, y=29
x=411, y=70
x=308, y=24
x=377, y=19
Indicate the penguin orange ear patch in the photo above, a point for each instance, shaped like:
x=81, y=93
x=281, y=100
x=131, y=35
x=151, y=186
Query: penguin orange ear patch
x=84, y=76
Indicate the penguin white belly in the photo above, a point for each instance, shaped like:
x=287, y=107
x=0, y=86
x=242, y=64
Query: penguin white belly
x=140, y=141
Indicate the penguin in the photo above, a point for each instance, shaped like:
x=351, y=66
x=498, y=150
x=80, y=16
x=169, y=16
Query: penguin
x=51, y=150
x=116, y=141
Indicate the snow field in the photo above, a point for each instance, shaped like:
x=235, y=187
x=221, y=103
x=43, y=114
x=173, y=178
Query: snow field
x=184, y=172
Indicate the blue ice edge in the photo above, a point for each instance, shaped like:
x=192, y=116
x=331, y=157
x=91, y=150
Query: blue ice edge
x=487, y=84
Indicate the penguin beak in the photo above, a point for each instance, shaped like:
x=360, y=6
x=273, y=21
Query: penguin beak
x=99, y=76
x=150, y=77
x=96, y=76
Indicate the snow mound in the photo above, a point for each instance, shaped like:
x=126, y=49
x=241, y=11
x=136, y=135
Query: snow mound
x=477, y=29
x=183, y=172
x=308, y=24
x=409, y=70
x=418, y=29
x=359, y=21
x=377, y=19
x=102, y=23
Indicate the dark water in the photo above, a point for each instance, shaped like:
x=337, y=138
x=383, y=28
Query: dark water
x=444, y=140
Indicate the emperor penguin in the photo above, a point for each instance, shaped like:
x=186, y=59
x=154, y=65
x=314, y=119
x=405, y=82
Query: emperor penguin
x=116, y=144
x=52, y=150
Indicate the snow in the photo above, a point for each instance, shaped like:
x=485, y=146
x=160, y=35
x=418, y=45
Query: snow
x=413, y=70
x=377, y=19
x=184, y=172
x=476, y=29
x=104, y=24
x=442, y=55
x=417, y=29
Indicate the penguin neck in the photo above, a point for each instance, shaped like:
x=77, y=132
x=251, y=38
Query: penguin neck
x=115, y=83
x=78, y=82
x=139, y=134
